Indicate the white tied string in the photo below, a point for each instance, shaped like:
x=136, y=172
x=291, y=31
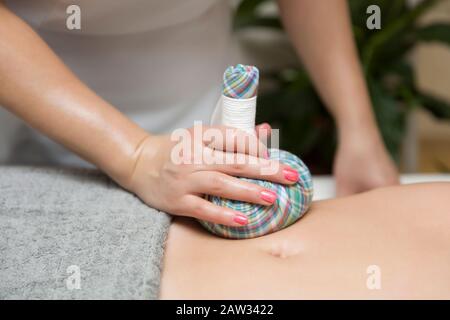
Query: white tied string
x=239, y=113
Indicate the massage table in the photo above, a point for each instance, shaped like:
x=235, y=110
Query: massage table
x=74, y=234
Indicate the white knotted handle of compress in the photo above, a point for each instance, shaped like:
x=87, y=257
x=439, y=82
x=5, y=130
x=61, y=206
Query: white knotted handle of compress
x=236, y=113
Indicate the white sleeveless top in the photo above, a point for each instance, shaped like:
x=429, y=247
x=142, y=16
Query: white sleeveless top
x=160, y=62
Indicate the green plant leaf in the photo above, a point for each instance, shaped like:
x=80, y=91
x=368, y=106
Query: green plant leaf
x=436, y=32
x=306, y=127
x=438, y=107
x=255, y=21
x=389, y=31
x=390, y=117
x=248, y=7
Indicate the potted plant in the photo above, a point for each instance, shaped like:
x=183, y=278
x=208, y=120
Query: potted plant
x=293, y=106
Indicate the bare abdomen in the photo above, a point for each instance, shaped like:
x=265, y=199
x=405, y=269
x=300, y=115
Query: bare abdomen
x=389, y=243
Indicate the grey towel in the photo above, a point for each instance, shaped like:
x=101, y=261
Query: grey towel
x=74, y=234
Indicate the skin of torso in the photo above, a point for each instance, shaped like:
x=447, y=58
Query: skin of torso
x=390, y=243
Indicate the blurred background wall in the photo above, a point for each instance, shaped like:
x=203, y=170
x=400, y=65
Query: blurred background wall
x=432, y=62
x=414, y=117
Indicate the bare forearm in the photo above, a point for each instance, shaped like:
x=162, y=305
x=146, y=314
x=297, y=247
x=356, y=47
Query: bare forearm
x=39, y=88
x=321, y=34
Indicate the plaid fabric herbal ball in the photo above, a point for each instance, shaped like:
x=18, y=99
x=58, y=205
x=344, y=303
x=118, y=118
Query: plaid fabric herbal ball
x=292, y=203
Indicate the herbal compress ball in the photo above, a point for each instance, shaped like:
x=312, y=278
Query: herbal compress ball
x=292, y=203
x=240, y=85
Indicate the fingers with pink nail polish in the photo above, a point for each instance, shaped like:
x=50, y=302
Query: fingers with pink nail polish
x=241, y=220
x=290, y=175
x=269, y=196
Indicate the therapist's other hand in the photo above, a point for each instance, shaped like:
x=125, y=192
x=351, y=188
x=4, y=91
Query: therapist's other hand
x=363, y=163
x=178, y=188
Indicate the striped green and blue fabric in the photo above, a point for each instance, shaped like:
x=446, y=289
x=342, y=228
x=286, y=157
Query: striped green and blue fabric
x=240, y=82
x=292, y=203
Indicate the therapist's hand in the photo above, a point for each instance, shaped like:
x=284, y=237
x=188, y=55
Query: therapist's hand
x=363, y=163
x=162, y=182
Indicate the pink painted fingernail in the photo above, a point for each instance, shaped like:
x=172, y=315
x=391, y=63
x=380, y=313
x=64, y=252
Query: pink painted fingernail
x=242, y=220
x=266, y=155
x=290, y=175
x=269, y=196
